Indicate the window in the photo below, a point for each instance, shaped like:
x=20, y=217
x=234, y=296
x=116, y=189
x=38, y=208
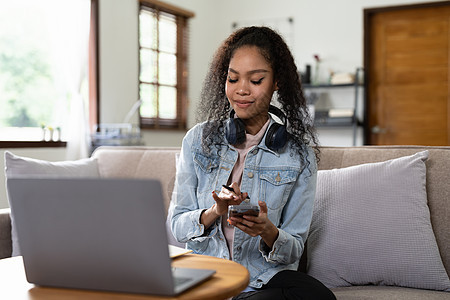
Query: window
x=37, y=60
x=163, y=41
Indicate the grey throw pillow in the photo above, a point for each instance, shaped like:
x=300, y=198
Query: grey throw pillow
x=17, y=166
x=371, y=226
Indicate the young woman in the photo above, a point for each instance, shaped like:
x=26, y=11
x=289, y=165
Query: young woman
x=251, y=152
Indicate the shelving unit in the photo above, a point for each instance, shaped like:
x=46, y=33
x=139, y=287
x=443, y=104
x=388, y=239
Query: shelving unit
x=331, y=118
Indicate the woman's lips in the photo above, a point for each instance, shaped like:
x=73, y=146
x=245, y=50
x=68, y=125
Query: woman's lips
x=243, y=104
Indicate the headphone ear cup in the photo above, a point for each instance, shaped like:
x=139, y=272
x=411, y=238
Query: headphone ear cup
x=276, y=137
x=235, y=131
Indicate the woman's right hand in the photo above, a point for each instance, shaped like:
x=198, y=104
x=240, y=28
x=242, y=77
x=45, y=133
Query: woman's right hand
x=223, y=200
x=227, y=197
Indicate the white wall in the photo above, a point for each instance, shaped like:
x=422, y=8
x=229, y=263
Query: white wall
x=332, y=29
x=118, y=45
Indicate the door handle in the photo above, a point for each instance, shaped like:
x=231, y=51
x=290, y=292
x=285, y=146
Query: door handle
x=378, y=130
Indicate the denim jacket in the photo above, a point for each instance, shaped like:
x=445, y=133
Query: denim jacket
x=280, y=179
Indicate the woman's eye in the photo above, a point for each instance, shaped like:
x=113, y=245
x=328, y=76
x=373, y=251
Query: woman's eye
x=232, y=80
x=257, y=81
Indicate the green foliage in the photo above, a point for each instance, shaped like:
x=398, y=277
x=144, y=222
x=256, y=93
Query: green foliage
x=26, y=90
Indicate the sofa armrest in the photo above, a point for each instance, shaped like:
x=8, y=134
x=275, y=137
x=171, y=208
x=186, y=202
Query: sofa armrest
x=5, y=233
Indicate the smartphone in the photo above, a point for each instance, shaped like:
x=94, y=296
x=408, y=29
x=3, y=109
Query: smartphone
x=243, y=209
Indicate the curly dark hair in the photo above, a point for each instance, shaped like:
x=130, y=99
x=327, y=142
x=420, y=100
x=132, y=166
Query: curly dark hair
x=215, y=108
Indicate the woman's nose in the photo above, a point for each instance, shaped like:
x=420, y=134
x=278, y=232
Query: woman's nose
x=243, y=88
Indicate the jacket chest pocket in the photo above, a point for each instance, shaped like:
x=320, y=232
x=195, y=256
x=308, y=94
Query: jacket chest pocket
x=276, y=185
x=206, y=168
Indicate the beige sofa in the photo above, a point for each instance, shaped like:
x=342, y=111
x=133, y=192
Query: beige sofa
x=159, y=163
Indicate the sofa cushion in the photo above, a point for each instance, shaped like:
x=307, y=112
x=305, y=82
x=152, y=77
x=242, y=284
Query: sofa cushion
x=387, y=293
x=438, y=176
x=140, y=162
x=17, y=166
x=371, y=226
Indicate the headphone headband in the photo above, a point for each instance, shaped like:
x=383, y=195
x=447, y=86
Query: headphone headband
x=277, y=112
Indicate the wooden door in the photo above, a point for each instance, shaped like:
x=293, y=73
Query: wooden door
x=407, y=75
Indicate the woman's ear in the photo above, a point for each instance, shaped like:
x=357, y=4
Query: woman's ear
x=276, y=85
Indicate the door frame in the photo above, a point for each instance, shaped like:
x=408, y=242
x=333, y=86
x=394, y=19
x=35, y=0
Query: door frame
x=369, y=13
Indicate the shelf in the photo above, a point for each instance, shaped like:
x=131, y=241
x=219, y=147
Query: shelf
x=322, y=119
x=332, y=117
x=334, y=123
x=318, y=86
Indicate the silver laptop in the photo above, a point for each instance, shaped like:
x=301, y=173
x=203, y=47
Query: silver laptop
x=98, y=234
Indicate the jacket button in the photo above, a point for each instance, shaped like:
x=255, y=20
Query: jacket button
x=239, y=248
x=278, y=178
x=250, y=174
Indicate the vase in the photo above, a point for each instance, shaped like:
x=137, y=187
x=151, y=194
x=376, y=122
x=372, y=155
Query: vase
x=316, y=74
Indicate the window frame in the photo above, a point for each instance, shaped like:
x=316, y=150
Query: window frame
x=94, y=90
x=182, y=16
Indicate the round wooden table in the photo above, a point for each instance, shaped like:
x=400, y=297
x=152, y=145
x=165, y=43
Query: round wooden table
x=230, y=279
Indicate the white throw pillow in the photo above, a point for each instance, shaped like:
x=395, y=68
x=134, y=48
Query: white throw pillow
x=17, y=166
x=371, y=226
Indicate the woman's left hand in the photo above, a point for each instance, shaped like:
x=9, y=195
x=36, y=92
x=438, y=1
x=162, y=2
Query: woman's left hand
x=260, y=225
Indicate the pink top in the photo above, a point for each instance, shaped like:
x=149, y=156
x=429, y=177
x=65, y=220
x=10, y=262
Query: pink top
x=236, y=176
